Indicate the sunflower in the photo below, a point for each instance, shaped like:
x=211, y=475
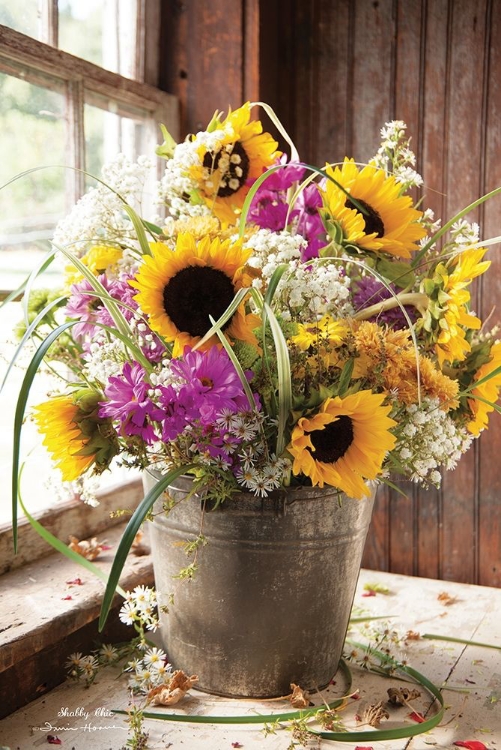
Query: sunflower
x=74, y=435
x=180, y=290
x=345, y=442
x=240, y=156
x=452, y=316
x=489, y=391
x=388, y=223
x=99, y=259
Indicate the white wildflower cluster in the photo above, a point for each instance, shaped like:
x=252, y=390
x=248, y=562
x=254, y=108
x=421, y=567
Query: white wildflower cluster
x=86, y=488
x=271, y=249
x=85, y=668
x=152, y=670
x=104, y=360
x=464, y=234
x=395, y=156
x=309, y=291
x=177, y=189
x=430, y=440
x=99, y=215
x=431, y=223
x=139, y=608
x=264, y=477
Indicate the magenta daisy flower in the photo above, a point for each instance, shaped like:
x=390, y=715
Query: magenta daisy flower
x=210, y=383
x=129, y=404
x=85, y=304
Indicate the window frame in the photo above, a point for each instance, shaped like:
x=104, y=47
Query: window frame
x=83, y=82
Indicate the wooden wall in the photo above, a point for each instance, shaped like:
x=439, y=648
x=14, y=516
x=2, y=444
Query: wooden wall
x=335, y=71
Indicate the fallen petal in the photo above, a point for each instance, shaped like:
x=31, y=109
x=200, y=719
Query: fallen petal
x=52, y=740
x=416, y=717
x=471, y=744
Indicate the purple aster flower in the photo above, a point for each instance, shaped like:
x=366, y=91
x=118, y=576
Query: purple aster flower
x=309, y=221
x=85, y=305
x=211, y=383
x=269, y=206
x=370, y=291
x=151, y=346
x=128, y=402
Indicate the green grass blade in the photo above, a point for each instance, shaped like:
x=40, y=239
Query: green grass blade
x=275, y=120
x=230, y=310
x=42, y=266
x=110, y=304
x=481, y=381
x=27, y=335
x=238, y=367
x=284, y=378
x=138, y=225
x=59, y=546
x=129, y=534
x=20, y=412
x=431, y=636
x=451, y=222
x=20, y=289
x=274, y=282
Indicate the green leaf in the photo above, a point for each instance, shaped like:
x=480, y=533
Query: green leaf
x=20, y=412
x=400, y=273
x=236, y=364
x=445, y=228
x=345, y=377
x=166, y=149
x=230, y=310
x=129, y=534
x=284, y=377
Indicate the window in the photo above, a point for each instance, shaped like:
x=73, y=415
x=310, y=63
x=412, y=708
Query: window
x=76, y=88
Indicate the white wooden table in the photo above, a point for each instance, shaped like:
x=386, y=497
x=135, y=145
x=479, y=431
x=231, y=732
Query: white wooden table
x=469, y=674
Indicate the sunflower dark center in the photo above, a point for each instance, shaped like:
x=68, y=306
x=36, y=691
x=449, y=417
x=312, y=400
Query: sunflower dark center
x=232, y=163
x=194, y=294
x=333, y=441
x=373, y=221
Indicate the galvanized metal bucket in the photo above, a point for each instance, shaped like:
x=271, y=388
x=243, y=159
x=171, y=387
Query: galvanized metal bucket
x=270, y=602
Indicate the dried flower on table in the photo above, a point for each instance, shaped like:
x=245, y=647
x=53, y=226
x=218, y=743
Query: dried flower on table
x=402, y=696
x=446, y=598
x=375, y=714
x=411, y=635
x=139, y=548
x=88, y=548
x=173, y=691
x=417, y=717
x=299, y=698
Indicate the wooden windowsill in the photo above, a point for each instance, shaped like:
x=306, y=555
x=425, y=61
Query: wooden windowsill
x=44, y=618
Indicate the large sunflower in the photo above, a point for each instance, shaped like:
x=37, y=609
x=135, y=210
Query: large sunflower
x=225, y=174
x=388, y=223
x=181, y=290
x=488, y=391
x=74, y=435
x=345, y=442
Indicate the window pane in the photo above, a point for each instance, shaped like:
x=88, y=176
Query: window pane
x=33, y=135
x=108, y=134
x=103, y=32
x=21, y=16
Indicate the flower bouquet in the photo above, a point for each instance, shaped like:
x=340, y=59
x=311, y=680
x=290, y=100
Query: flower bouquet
x=283, y=325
